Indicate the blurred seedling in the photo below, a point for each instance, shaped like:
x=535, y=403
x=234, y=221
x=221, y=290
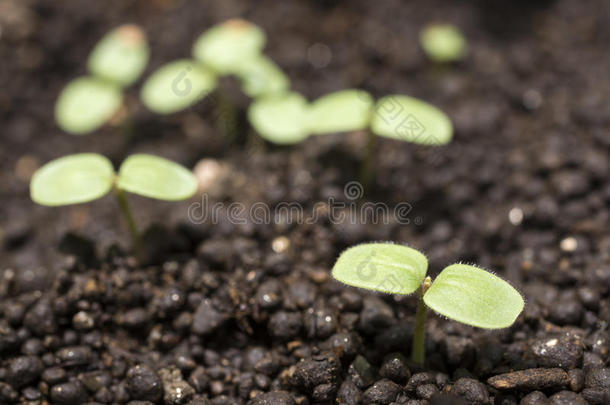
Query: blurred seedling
x=461, y=292
x=233, y=48
x=117, y=61
x=443, y=43
x=288, y=118
x=85, y=177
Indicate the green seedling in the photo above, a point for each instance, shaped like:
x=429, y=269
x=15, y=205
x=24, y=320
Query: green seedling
x=290, y=119
x=85, y=177
x=176, y=86
x=443, y=43
x=262, y=77
x=89, y=102
x=461, y=292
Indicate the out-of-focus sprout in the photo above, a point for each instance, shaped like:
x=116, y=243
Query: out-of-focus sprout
x=87, y=103
x=443, y=43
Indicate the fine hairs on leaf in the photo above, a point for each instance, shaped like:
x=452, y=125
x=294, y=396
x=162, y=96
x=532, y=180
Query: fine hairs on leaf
x=85, y=177
x=461, y=292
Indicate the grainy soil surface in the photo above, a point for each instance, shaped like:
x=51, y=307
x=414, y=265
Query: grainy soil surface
x=222, y=311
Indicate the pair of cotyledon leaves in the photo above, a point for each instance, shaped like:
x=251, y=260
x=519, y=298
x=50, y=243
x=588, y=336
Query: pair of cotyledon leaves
x=289, y=118
x=85, y=177
x=88, y=102
x=231, y=48
x=461, y=292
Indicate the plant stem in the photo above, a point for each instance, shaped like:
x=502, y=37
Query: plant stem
x=367, y=164
x=418, y=353
x=131, y=223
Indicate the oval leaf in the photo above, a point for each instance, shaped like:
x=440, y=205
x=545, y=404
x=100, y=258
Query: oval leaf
x=412, y=120
x=280, y=118
x=156, y=177
x=121, y=55
x=341, y=111
x=443, y=43
x=384, y=267
x=229, y=46
x=176, y=86
x=475, y=297
x=72, y=179
x=86, y=104
x=262, y=77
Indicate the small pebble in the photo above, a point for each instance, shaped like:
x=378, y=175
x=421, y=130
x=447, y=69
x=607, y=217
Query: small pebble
x=144, y=384
x=473, y=391
x=382, y=392
x=70, y=393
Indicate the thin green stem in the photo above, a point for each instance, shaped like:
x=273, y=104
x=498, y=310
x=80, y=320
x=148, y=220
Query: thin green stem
x=418, y=353
x=131, y=223
x=366, y=173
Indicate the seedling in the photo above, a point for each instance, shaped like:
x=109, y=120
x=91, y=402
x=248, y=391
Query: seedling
x=85, y=177
x=464, y=293
x=289, y=119
x=443, y=43
x=89, y=102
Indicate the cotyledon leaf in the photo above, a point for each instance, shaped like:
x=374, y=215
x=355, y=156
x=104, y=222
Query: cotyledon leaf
x=341, y=111
x=383, y=267
x=475, y=297
x=72, y=179
x=155, y=177
x=409, y=119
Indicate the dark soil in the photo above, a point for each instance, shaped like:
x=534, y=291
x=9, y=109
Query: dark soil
x=224, y=313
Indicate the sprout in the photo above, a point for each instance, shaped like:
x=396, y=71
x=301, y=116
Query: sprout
x=461, y=292
x=289, y=119
x=262, y=77
x=280, y=118
x=121, y=55
x=228, y=47
x=86, y=104
x=443, y=43
x=177, y=85
x=89, y=102
x=85, y=177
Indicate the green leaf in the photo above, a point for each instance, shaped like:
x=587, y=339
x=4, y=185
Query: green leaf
x=121, y=55
x=412, y=120
x=176, y=86
x=443, y=43
x=261, y=76
x=280, y=118
x=72, y=179
x=87, y=103
x=384, y=267
x=475, y=297
x=156, y=177
x=227, y=47
x=341, y=111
